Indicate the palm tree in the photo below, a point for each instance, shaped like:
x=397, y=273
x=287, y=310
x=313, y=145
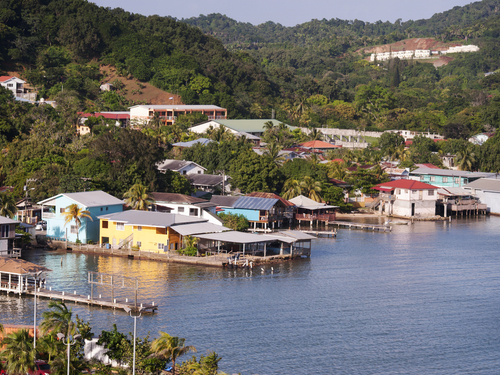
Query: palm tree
x=50, y=345
x=337, y=170
x=219, y=134
x=268, y=125
x=7, y=205
x=315, y=135
x=190, y=241
x=170, y=348
x=466, y=159
x=76, y=213
x=291, y=189
x=311, y=188
x=137, y=197
x=58, y=320
x=18, y=354
x=273, y=152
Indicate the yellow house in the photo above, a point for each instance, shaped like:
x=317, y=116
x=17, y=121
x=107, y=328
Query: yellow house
x=146, y=230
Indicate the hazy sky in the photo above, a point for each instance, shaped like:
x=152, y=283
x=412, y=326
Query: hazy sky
x=289, y=12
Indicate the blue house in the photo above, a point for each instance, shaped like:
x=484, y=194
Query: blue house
x=96, y=202
x=447, y=177
x=264, y=212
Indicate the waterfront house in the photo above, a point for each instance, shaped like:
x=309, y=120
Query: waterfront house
x=186, y=205
x=289, y=206
x=446, y=177
x=488, y=191
x=309, y=210
x=459, y=201
x=262, y=213
x=151, y=231
x=96, y=202
x=406, y=198
x=7, y=235
x=27, y=212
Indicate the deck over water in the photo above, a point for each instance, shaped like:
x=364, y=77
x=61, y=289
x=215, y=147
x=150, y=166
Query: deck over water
x=76, y=298
x=351, y=225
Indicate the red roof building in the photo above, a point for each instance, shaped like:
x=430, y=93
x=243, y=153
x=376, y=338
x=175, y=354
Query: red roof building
x=319, y=145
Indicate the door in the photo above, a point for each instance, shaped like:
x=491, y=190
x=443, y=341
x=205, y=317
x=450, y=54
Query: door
x=413, y=209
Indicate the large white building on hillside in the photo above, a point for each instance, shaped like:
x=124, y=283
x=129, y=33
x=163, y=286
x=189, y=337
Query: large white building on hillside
x=420, y=53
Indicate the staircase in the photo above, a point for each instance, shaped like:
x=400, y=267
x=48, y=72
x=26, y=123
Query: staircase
x=126, y=242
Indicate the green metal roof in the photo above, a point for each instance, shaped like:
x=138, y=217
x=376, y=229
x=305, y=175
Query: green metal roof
x=250, y=126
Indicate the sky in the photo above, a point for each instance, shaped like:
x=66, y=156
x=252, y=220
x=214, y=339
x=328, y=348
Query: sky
x=289, y=12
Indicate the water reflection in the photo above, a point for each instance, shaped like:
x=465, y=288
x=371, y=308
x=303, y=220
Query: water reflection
x=365, y=302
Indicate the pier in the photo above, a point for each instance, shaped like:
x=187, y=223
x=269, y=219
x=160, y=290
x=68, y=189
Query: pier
x=372, y=227
x=115, y=303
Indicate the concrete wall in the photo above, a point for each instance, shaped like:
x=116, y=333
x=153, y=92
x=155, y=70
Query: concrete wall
x=422, y=208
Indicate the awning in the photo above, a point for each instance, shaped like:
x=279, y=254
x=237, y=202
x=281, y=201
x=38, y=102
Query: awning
x=197, y=228
x=19, y=266
x=244, y=237
x=385, y=190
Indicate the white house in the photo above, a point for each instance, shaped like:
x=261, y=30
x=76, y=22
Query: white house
x=14, y=84
x=407, y=198
x=488, y=192
x=183, y=167
x=141, y=114
x=186, y=205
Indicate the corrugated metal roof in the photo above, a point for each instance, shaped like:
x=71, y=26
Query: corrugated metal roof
x=19, y=266
x=204, y=179
x=6, y=220
x=176, y=198
x=89, y=198
x=255, y=203
x=250, y=126
x=297, y=234
x=489, y=184
x=152, y=219
x=451, y=173
x=454, y=191
x=203, y=141
x=198, y=228
x=243, y=237
x=224, y=200
x=259, y=194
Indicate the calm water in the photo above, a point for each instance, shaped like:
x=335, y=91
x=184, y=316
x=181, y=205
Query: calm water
x=424, y=299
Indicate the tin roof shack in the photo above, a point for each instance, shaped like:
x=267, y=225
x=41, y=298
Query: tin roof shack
x=309, y=210
x=488, y=191
x=20, y=276
x=7, y=236
x=249, y=247
x=406, y=198
x=458, y=201
x=289, y=206
x=264, y=213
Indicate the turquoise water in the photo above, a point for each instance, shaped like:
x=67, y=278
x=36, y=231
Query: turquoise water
x=423, y=299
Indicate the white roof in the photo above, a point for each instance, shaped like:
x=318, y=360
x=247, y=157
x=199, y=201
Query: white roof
x=244, y=237
x=485, y=184
x=304, y=202
x=454, y=191
x=88, y=198
x=6, y=220
x=151, y=218
x=199, y=228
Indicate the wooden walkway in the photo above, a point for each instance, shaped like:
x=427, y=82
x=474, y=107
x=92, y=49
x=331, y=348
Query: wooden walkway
x=351, y=225
x=320, y=233
x=103, y=302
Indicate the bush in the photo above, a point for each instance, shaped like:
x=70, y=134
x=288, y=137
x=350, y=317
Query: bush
x=189, y=251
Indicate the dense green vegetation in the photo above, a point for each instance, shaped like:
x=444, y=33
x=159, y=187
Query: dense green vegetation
x=311, y=75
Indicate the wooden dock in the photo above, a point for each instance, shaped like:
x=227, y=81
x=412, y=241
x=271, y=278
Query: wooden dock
x=351, y=225
x=320, y=233
x=103, y=302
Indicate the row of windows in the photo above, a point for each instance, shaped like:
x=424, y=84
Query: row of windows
x=456, y=180
x=405, y=191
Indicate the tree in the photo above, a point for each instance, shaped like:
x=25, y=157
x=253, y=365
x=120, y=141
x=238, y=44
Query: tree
x=291, y=189
x=18, y=353
x=273, y=153
x=171, y=347
x=466, y=159
x=58, y=319
x=311, y=188
x=75, y=213
x=137, y=198
x=7, y=205
x=234, y=221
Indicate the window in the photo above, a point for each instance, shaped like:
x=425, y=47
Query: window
x=62, y=210
x=10, y=85
x=414, y=191
x=199, y=172
x=161, y=246
x=138, y=243
x=180, y=209
x=120, y=226
x=406, y=191
x=421, y=178
x=184, y=172
x=398, y=191
x=74, y=229
x=105, y=224
x=106, y=208
x=431, y=193
x=433, y=178
x=139, y=228
x=193, y=212
x=445, y=179
x=161, y=231
x=101, y=208
x=105, y=240
x=457, y=180
x=5, y=231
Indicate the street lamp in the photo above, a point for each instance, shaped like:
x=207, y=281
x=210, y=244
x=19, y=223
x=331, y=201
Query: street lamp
x=67, y=341
x=139, y=311
x=35, y=276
